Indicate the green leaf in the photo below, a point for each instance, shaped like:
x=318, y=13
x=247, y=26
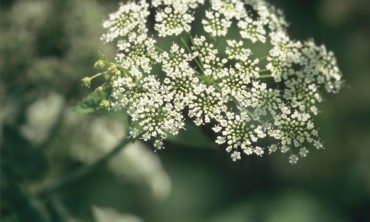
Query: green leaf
x=91, y=104
x=193, y=136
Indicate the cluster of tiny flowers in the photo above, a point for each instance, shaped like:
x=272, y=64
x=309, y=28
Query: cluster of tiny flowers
x=216, y=24
x=215, y=79
x=174, y=16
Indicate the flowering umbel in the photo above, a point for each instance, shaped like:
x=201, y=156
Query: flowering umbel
x=214, y=75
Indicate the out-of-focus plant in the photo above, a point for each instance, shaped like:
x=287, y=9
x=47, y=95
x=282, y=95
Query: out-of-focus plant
x=213, y=76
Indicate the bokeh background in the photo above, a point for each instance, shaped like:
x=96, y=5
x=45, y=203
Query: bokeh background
x=46, y=47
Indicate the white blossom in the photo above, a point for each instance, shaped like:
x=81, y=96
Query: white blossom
x=130, y=17
x=293, y=130
x=216, y=24
x=136, y=51
x=264, y=100
x=207, y=105
x=322, y=65
x=252, y=29
x=235, y=156
x=293, y=159
x=173, y=20
x=211, y=63
x=239, y=133
x=235, y=50
x=229, y=8
x=303, y=152
x=217, y=78
x=302, y=95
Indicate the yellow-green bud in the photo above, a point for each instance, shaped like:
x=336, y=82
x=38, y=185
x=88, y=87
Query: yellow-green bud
x=99, y=89
x=112, y=68
x=86, y=81
x=100, y=64
x=106, y=76
x=104, y=103
x=117, y=72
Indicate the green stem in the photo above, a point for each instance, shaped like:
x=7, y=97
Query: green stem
x=159, y=49
x=270, y=76
x=263, y=70
x=249, y=112
x=186, y=45
x=97, y=75
x=199, y=64
x=191, y=38
x=84, y=171
x=265, y=76
x=262, y=57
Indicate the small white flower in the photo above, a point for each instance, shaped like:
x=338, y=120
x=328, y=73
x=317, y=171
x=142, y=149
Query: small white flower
x=303, y=152
x=293, y=159
x=235, y=156
x=272, y=148
x=248, y=151
x=158, y=144
x=217, y=129
x=258, y=151
x=220, y=140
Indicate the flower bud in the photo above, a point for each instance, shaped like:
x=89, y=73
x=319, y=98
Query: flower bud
x=117, y=72
x=112, y=68
x=104, y=103
x=106, y=76
x=86, y=81
x=99, y=64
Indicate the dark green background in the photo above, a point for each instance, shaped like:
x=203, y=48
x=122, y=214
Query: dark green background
x=48, y=46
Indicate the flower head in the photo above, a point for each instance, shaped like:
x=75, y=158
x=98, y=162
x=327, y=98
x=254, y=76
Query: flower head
x=217, y=78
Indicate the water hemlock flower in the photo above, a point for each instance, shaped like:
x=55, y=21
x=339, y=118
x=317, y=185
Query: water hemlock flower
x=214, y=76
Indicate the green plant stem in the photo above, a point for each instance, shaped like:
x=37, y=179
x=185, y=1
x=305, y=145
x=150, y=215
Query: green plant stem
x=262, y=57
x=97, y=75
x=199, y=64
x=264, y=70
x=84, y=171
x=265, y=76
x=159, y=48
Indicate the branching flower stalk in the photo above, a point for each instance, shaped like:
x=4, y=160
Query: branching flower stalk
x=214, y=77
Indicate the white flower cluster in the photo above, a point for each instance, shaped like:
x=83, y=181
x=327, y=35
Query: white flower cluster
x=130, y=18
x=252, y=29
x=216, y=24
x=174, y=16
x=216, y=80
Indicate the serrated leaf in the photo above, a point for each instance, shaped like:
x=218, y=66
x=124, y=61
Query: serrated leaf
x=91, y=103
x=193, y=136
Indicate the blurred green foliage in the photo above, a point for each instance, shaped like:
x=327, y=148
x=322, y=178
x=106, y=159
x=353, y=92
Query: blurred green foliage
x=46, y=48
